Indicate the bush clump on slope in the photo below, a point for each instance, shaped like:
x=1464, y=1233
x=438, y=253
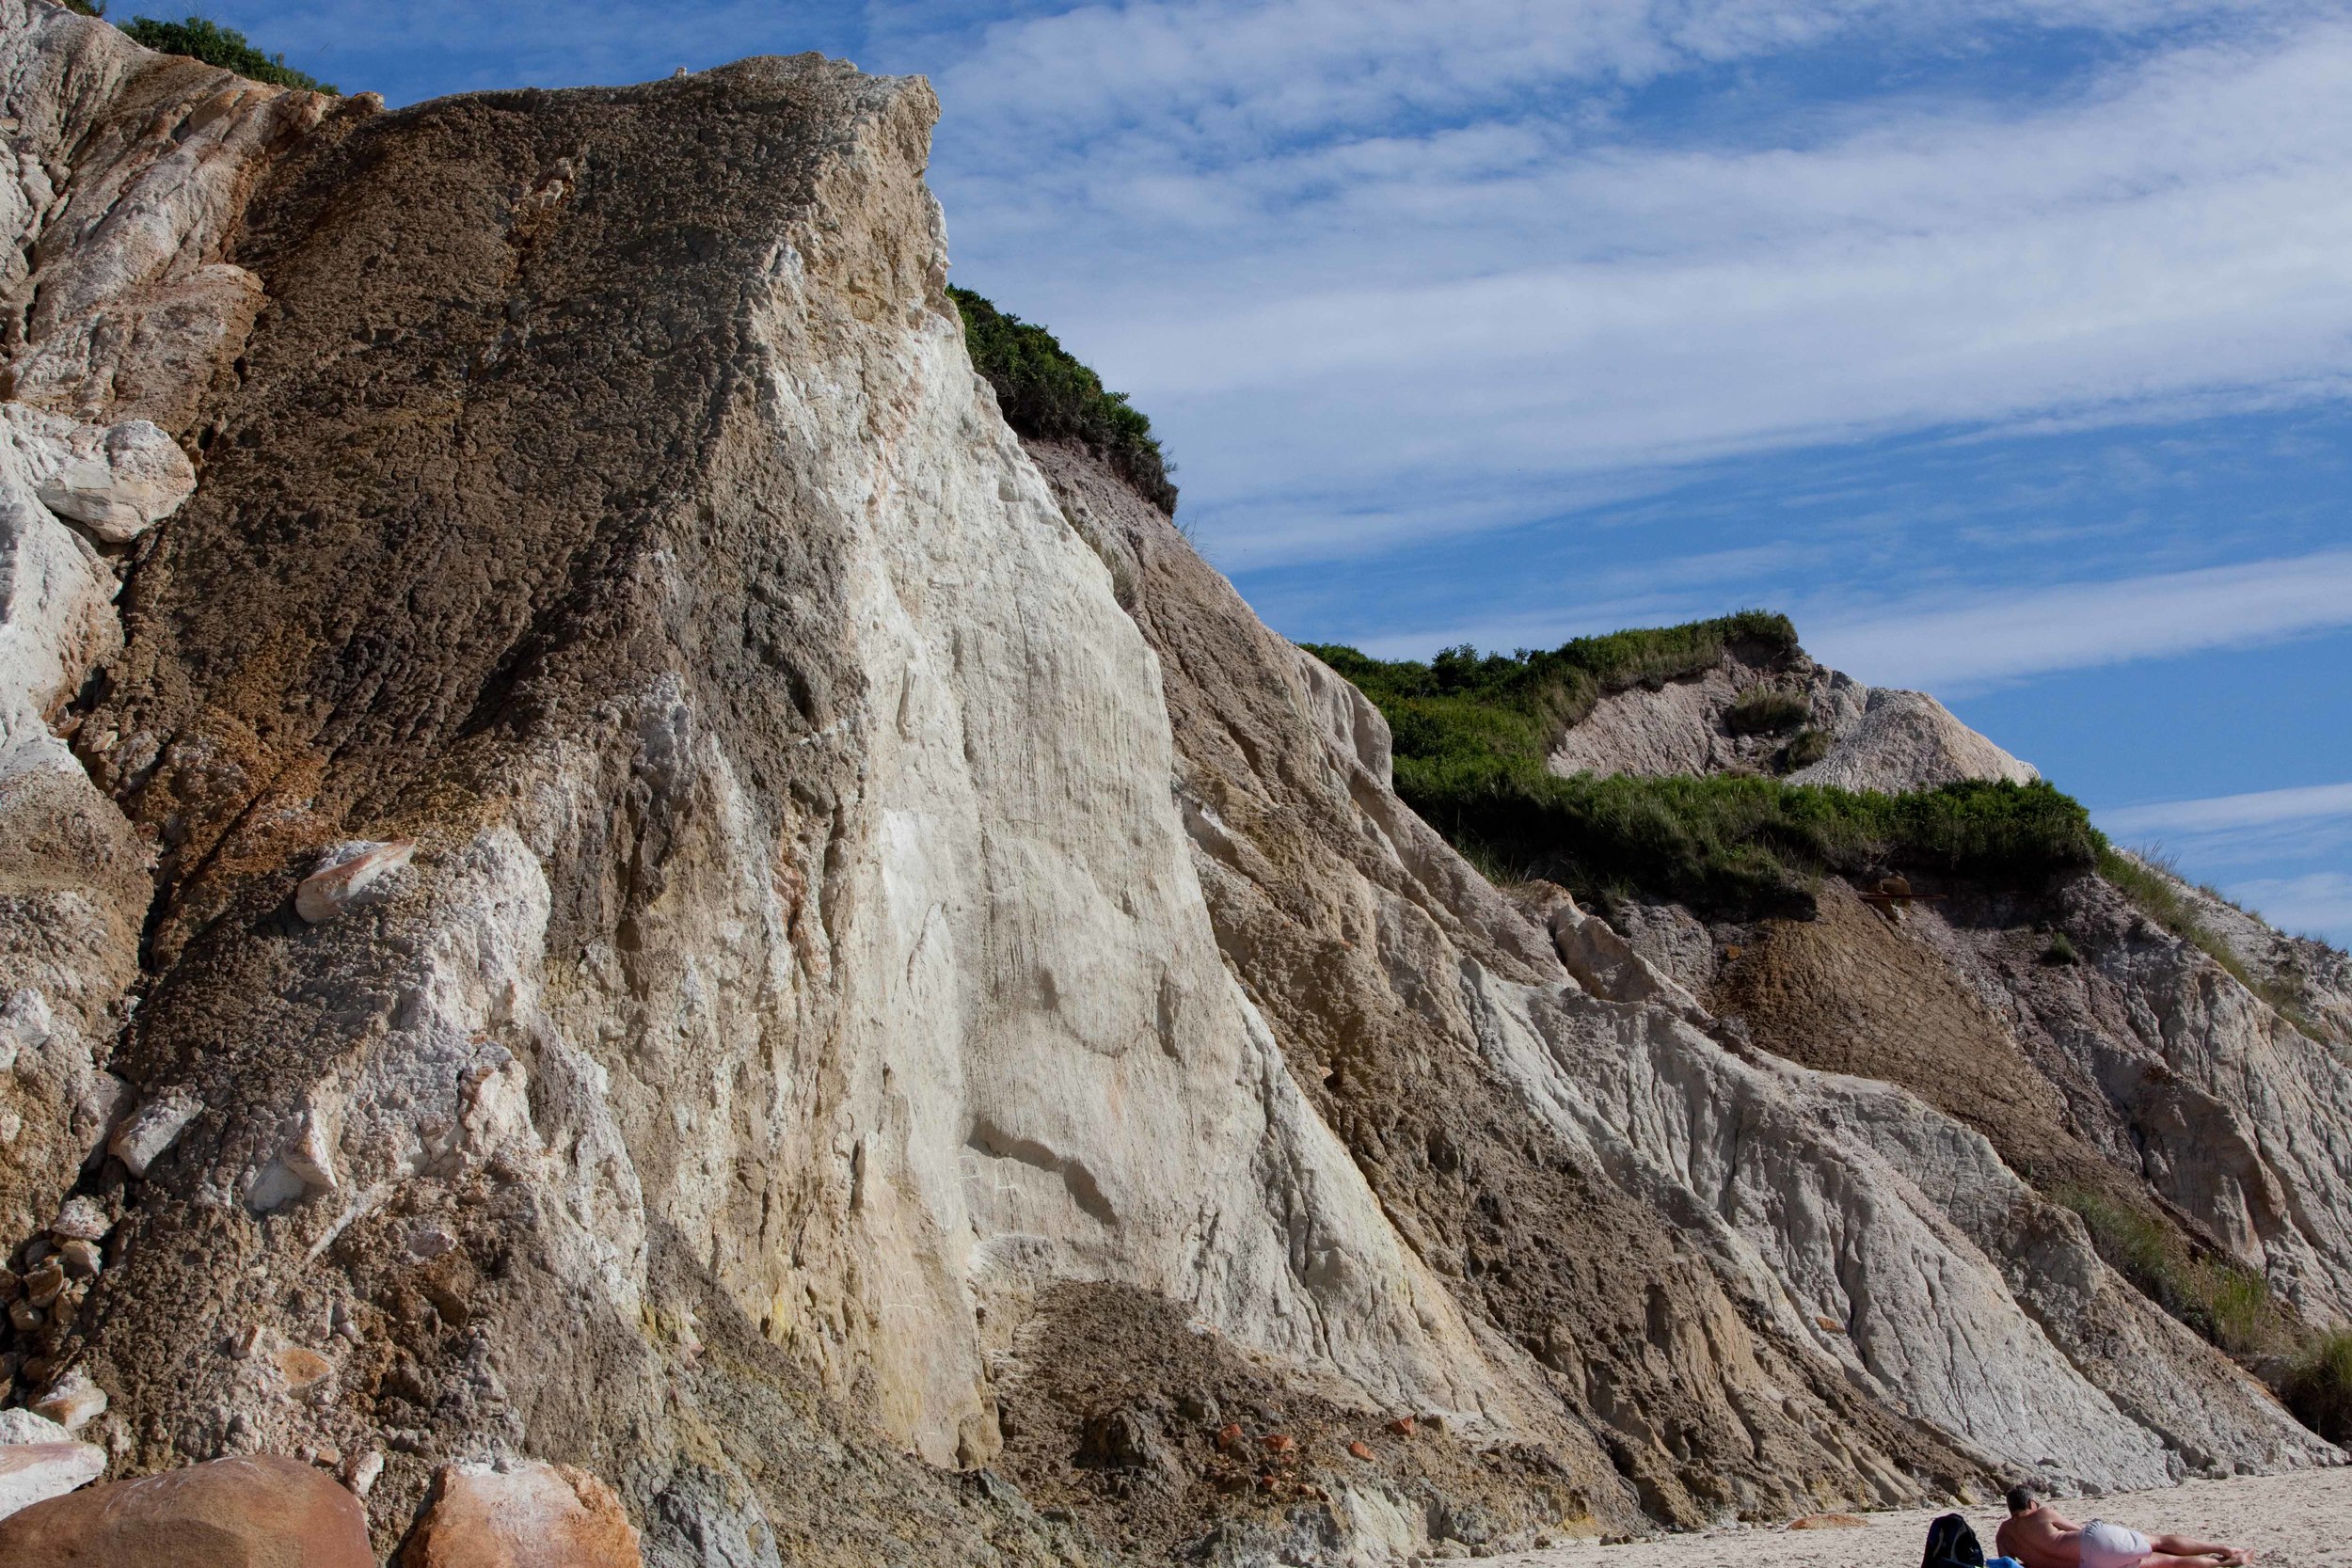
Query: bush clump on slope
x=1047, y=395
x=209, y=41
x=2319, y=1386
x=1767, y=710
x=1472, y=734
x=2228, y=1305
x=2153, y=882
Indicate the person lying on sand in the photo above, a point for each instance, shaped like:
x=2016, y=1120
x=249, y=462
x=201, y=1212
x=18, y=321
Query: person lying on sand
x=2038, y=1536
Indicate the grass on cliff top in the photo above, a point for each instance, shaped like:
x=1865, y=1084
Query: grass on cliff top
x=2152, y=880
x=1047, y=395
x=1548, y=692
x=1472, y=734
x=201, y=39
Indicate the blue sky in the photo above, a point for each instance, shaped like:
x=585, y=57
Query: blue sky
x=2007, y=344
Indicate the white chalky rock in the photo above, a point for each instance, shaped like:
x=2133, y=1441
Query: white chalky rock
x=35, y=1472
x=311, y=1155
x=118, y=483
x=23, y=1426
x=25, y=1023
x=349, y=873
x=73, y=1402
x=360, y=1474
x=156, y=1127
x=80, y=1219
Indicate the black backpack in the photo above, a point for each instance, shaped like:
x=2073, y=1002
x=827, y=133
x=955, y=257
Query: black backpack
x=1952, y=1545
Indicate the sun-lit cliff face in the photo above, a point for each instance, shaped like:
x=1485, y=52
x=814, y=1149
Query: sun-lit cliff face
x=602, y=865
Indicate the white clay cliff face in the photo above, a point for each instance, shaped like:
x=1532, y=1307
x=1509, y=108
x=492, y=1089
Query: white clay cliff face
x=682, y=888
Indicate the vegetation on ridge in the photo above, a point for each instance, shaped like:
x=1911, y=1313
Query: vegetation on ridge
x=1472, y=734
x=2318, y=1385
x=2226, y=1302
x=2153, y=882
x=1048, y=395
x=201, y=39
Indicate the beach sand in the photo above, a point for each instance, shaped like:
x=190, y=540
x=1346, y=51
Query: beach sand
x=2291, y=1521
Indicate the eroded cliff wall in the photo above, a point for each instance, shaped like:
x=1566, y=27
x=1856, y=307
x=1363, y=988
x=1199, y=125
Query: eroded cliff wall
x=638, y=882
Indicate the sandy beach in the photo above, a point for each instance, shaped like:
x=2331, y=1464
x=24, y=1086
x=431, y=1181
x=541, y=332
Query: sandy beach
x=2291, y=1521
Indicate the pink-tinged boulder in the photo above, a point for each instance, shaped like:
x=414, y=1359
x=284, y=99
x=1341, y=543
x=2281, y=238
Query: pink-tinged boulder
x=520, y=1513
x=35, y=1472
x=255, y=1511
x=348, y=874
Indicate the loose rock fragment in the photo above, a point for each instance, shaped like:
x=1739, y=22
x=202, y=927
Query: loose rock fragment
x=118, y=482
x=23, y=1426
x=43, y=1281
x=73, y=1402
x=428, y=1241
x=156, y=1127
x=80, y=1259
x=312, y=1154
x=255, y=1511
x=80, y=1219
x=361, y=1470
x=25, y=1024
x=521, y=1514
x=350, y=874
x=303, y=1370
x=32, y=1472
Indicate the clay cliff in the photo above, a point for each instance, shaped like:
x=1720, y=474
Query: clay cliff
x=600, y=864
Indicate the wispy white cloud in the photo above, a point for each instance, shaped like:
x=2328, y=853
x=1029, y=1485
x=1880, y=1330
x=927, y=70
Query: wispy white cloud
x=1228, y=74
x=2317, y=903
x=2265, y=832
x=1958, y=646
x=1954, y=648
x=1371, y=252
x=2227, y=813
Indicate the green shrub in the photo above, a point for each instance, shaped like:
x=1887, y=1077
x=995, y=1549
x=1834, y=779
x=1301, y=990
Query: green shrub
x=2060, y=951
x=2149, y=879
x=214, y=45
x=2319, y=1386
x=2152, y=879
x=1767, y=710
x=87, y=8
x=1552, y=691
x=1804, y=749
x=1472, y=734
x=1047, y=395
x=2228, y=1305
